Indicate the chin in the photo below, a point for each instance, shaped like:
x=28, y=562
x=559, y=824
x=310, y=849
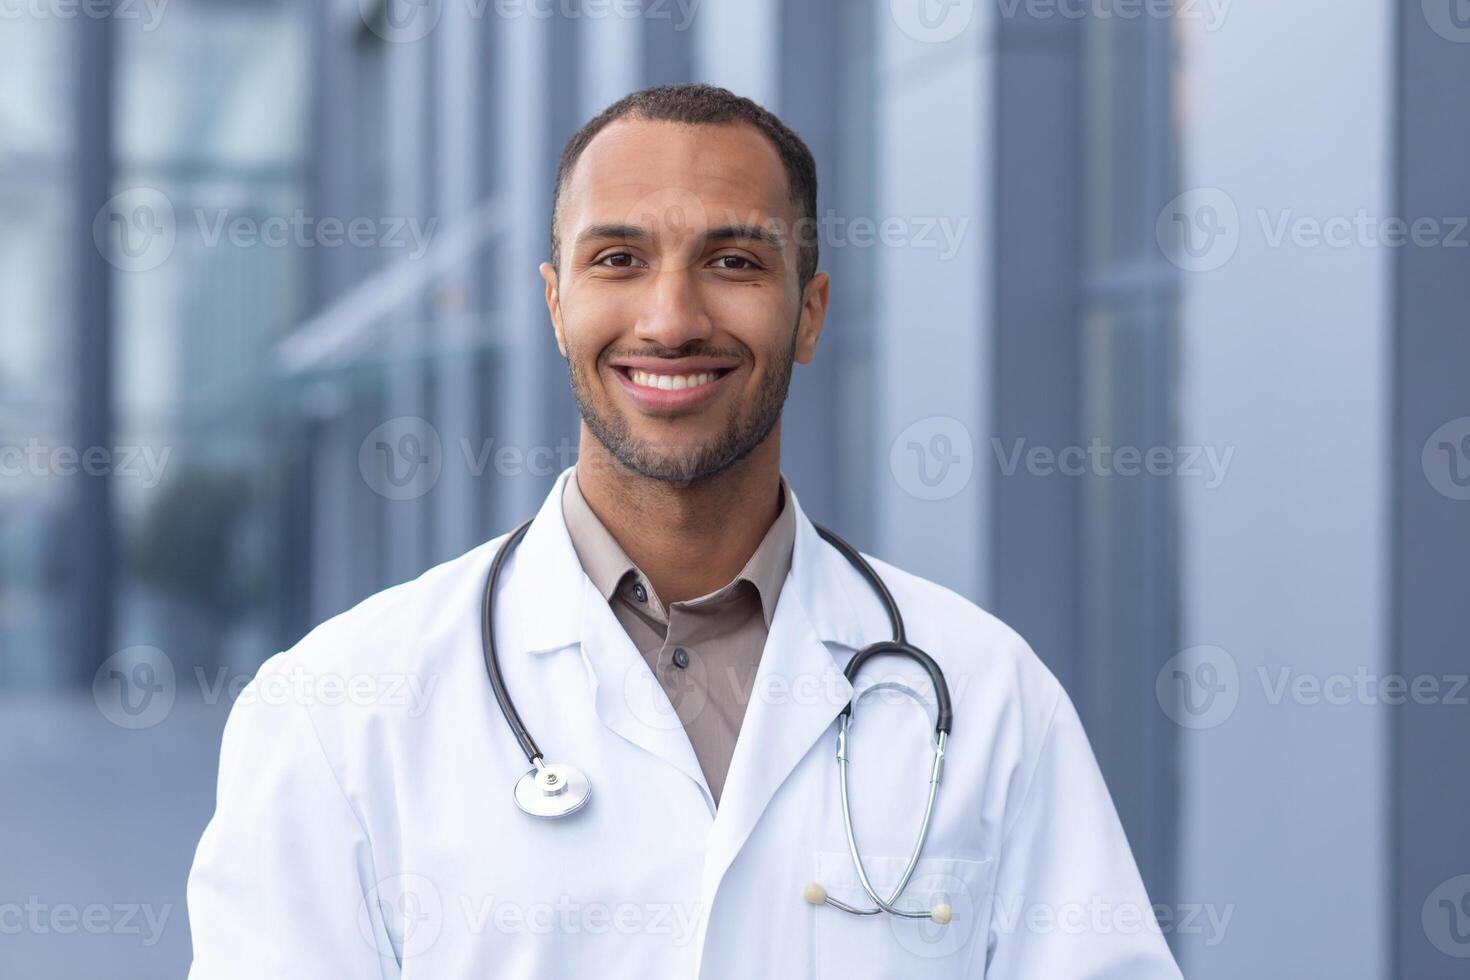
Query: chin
x=679, y=468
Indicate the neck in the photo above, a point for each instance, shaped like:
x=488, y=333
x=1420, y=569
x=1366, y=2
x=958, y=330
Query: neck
x=690, y=540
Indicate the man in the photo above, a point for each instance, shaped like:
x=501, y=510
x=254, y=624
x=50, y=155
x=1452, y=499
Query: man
x=673, y=624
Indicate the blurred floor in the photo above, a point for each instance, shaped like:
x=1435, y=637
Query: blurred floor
x=102, y=818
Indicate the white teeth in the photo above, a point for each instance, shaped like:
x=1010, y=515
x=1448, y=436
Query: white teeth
x=670, y=382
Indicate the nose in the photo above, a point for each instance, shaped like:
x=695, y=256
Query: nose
x=674, y=314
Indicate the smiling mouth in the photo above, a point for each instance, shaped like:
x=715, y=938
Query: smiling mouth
x=671, y=380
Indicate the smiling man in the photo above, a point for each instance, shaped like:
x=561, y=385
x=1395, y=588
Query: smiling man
x=683, y=640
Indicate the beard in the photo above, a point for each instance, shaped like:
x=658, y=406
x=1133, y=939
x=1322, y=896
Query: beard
x=745, y=427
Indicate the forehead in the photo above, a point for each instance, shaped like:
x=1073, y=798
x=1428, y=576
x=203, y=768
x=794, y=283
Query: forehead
x=718, y=172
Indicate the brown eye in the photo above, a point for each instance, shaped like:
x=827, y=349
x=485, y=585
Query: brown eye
x=617, y=260
x=743, y=263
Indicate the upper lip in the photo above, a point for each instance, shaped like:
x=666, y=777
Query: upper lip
x=673, y=365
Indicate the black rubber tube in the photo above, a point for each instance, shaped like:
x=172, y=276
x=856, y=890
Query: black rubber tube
x=492, y=663
x=899, y=645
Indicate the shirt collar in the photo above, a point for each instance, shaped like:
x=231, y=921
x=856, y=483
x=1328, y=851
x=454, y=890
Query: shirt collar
x=547, y=587
x=606, y=564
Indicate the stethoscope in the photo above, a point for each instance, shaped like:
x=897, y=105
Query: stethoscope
x=559, y=790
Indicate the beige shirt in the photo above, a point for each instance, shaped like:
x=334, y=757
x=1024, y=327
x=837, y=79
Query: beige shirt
x=705, y=651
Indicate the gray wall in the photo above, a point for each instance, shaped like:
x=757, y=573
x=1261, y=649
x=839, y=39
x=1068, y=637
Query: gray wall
x=1284, y=361
x=1431, y=499
x=932, y=334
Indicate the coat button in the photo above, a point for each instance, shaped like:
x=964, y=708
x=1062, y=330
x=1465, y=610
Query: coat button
x=681, y=657
x=640, y=592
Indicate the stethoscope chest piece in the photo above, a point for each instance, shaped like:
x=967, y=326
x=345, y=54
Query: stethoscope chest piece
x=556, y=790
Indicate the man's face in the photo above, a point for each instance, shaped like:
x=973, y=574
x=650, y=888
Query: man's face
x=676, y=299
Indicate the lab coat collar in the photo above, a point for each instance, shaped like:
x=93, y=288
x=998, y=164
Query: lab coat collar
x=820, y=579
x=552, y=618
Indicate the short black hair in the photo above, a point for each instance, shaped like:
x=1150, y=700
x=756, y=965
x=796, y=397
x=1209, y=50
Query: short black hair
x=707, y=105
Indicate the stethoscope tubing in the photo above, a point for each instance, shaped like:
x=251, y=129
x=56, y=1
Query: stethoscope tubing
x=492, y=660
x=936, y=773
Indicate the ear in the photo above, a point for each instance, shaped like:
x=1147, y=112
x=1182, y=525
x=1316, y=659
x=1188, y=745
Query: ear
x=813, y=315
x=553, y=306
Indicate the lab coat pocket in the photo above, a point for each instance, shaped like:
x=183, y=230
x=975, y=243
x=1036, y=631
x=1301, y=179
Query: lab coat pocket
x=884, y=946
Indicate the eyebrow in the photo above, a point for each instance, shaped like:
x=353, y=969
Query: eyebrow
x=634, y=233
x=743, y=232
x=614, y=232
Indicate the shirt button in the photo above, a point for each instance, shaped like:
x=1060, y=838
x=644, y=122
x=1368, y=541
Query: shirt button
x=681, y=657
x=640, y=592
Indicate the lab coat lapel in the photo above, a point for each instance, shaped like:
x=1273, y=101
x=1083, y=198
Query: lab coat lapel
x=630, y=701
x=799, y=689
x=798, y=692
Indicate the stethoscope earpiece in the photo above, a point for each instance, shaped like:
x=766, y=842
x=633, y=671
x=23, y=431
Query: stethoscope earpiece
x=815, y=894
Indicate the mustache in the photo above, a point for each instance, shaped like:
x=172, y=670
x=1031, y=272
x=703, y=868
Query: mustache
x=666, y=354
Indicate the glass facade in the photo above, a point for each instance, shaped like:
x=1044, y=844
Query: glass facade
x=211, y=119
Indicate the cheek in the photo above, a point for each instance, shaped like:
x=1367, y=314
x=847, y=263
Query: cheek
x=753, y=301
x=588, y=328
x=601, y=319
x=759, y=317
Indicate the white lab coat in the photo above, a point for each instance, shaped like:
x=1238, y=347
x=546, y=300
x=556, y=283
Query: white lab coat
x=367, y=831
